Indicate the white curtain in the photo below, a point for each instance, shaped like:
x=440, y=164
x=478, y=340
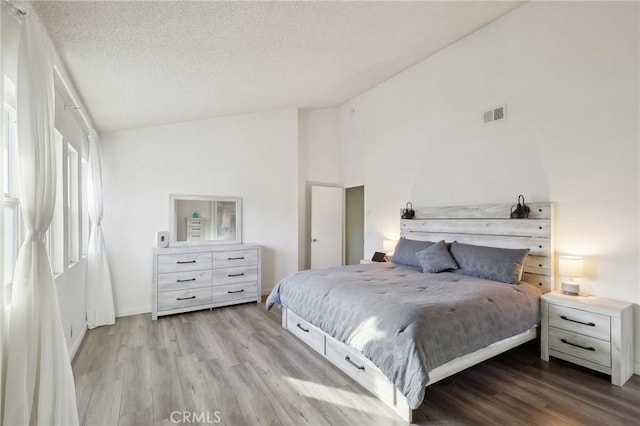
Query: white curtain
x=39, y=382
x=100, y=310
x=2, y=309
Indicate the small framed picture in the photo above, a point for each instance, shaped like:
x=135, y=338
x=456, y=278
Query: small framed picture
x=379, y=257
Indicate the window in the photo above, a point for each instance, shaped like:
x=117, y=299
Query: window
x=73, y=216
x=12, y=234
x=65, y=238
x=55, y=235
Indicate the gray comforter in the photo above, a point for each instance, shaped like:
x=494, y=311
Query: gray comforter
x=406, y=322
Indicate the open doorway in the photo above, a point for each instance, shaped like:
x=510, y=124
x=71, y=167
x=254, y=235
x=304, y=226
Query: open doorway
x=354, y=225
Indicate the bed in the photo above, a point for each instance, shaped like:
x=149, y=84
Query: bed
x=395, y=329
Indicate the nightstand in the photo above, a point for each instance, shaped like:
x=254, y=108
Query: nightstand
x=590, y=331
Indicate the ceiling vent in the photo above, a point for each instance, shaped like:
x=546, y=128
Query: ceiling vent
x=499, y=113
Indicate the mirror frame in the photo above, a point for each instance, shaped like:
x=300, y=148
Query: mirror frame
x=173, y=220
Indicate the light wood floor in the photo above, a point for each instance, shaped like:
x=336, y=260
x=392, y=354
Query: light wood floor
x=239, y=362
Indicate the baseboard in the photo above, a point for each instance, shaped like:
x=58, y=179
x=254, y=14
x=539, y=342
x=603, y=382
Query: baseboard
x=135, y=310
x=636, y=367
x=78, y=342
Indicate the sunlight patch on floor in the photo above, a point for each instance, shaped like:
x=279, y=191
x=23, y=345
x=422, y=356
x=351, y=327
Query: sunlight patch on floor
x=342, y=397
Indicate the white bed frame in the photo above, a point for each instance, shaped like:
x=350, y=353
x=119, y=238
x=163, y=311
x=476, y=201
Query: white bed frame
x=487, y=225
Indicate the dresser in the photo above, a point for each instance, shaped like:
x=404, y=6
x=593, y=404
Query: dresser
x=195, y=229
x=590, y=331
x=206, y=276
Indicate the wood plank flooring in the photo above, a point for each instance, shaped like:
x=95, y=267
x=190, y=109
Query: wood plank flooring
x=237, y=365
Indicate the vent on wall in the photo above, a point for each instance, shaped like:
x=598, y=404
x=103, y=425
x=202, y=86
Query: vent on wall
x=499, y=113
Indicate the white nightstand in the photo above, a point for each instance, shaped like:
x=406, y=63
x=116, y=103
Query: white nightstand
x=590, y=331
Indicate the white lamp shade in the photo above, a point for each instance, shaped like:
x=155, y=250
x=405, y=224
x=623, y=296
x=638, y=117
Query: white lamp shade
x=571, y=266
x=389, y=246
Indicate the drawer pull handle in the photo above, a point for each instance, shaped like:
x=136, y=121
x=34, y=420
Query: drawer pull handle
x=235, y=258
x=180, y=262
x=588, y=348
x=590, y=324
x=184, y=281
x=236, y=275
x=186, y=298
x=306, y=330
x=348, y=359
x=237, y=291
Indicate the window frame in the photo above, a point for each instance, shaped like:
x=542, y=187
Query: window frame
x=72, y=205
x=10, y=193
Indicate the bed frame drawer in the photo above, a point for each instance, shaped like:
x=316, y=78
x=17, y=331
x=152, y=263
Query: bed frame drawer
x=306, y=332
x=360, y=369
x=583, y=322
x=580, y=346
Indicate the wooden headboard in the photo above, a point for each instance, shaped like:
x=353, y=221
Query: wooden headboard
x=489, y=225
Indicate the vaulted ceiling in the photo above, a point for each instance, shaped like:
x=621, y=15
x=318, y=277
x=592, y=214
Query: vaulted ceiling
x=140, y=64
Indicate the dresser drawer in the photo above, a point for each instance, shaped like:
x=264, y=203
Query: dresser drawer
x=184, y=298
x=582, y=322
x=194, y=222
x=240, y=274
x=183, y=280
x=183, y=262
x=578, y=345
x=223, y=293
x=360, y=369
x=306, y=332
x=226, y=259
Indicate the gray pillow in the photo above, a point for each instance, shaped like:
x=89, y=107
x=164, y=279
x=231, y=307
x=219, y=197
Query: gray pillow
x=436, y=258
x=497, y=264
x=405, y=252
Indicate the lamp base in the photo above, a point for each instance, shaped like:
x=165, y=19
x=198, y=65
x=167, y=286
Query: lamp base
x=570, y=288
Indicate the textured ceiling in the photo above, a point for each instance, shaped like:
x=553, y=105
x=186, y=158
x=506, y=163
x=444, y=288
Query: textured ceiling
x=142, y=63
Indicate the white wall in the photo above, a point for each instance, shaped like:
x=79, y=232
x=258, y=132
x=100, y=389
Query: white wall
x=569, y=75
x=319, y=164
x=72, y=300
x=253, y=156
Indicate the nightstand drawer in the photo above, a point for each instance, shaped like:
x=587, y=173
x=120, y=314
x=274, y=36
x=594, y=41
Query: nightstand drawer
x=582, y=322
x=584, y=347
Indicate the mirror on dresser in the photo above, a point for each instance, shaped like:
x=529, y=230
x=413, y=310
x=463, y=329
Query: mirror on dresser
x=205, y=219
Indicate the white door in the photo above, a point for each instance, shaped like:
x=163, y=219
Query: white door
x=326, y=226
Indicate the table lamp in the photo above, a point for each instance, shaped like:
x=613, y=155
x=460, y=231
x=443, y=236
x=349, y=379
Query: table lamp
x=571, y=267
x=388, y=246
